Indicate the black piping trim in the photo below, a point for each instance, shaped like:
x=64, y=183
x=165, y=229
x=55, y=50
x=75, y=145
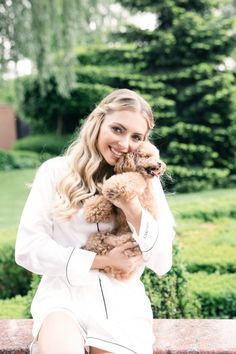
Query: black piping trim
x=119, y=345
x=153, y=243
x=67, y=266
x=103, y=297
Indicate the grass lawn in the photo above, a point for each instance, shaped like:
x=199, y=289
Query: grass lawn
x=13, y=190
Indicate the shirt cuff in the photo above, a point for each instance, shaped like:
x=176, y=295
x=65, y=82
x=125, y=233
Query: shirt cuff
x=148, y=232
x=78, y=266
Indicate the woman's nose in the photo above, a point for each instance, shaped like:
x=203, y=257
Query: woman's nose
x=124, y=143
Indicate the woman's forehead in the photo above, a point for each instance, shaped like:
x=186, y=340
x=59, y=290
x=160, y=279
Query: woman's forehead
x=130, y=120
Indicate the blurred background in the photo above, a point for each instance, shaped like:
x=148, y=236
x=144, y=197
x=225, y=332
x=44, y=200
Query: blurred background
x=59, y=58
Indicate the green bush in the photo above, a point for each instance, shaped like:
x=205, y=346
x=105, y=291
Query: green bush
x=197, y=238
x=169, y=295
x=216, y=293
x=29, y=297
x=14, y=280
x=49, y=144
x=12, y=308
x=193, y=179
x=10, y=160
x=6, y=160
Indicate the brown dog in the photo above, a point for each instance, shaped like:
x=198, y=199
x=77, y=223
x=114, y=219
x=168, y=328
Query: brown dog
x=134, y=173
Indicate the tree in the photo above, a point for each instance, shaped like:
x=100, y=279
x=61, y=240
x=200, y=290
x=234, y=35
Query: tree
x=47, y=32
x=184, y=72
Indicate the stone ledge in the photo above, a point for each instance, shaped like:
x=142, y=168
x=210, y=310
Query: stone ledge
x=172, y=336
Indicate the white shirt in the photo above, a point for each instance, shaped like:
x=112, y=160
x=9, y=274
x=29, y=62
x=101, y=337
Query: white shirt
x=50, y=247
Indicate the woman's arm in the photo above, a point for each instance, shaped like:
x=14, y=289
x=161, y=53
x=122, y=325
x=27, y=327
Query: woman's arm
x=155, y=237
x=36, y=250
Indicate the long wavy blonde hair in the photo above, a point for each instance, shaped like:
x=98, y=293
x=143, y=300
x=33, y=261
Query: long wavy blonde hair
x=87, y=168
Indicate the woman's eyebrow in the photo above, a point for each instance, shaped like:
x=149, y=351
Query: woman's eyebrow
x=123, y=127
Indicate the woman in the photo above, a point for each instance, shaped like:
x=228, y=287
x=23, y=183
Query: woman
x=77, y=307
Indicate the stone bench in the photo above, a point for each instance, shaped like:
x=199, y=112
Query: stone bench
x=172, y=336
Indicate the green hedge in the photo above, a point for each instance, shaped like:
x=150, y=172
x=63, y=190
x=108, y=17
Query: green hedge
x=194, y=179
x=13, y=308
x=170, y=295
x=10, y=160
x=206, y=206
x=208, y=246
x=14, y=280
x=44, y=144
x=216, y=293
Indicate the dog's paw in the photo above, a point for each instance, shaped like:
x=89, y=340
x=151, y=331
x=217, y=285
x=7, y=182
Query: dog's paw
x=98, y=209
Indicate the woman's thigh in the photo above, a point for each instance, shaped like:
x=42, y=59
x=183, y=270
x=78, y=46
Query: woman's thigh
x=98, y=351
x=60, y=334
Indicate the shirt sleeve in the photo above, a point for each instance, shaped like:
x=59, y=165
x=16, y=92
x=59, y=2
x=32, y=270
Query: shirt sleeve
x=35, y=249
x=155, y=237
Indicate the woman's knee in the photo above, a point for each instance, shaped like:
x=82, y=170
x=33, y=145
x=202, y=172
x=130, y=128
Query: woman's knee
x=60, y=334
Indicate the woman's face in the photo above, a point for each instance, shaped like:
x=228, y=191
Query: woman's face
x=121, y=132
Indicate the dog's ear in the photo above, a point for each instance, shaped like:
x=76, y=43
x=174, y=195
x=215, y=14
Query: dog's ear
x=126, y=163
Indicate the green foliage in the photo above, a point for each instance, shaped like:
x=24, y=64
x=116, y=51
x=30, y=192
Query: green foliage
x=192, y=178
x=46, y=145
x=217, y=295
x=13, y=279
x=12, y=308
x=169, y=295
x=10, y=160
x=50, y=111
x=208, y=246
x=182, y=68
x=32, y=290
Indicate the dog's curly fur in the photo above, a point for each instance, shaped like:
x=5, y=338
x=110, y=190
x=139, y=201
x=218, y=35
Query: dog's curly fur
x=134, y=172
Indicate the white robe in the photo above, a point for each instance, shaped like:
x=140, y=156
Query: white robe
x=113, y=315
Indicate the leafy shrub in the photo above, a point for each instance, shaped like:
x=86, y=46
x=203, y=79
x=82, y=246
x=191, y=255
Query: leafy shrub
x=29, y=297
x=49, y=144
x=48, y=111
x=14, y=280
x=12, y=308
x=169, y=295
x=193, y=179
x=198, y=238
x=216, y=293
x=6, y=160
x=10, y=160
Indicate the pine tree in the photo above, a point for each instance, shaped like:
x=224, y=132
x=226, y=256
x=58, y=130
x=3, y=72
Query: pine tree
x=183, y=70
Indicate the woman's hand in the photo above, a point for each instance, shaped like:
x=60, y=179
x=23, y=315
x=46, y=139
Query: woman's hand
x=117, y=259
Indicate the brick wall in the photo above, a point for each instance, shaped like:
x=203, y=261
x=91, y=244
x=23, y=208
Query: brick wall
x=7, y=127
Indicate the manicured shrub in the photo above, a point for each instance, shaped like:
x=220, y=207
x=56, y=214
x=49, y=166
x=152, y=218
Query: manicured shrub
x=169, y=295
x=216, y=293
x=14, y=280
x=43, y=144
x=29, y=297
x=12, y=308
x=10, y=160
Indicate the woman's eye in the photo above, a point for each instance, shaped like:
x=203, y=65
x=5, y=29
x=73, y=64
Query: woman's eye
x=116, y=129
x=137, y=138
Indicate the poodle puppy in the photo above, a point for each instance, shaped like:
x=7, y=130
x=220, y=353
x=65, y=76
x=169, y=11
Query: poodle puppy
x=134, y=173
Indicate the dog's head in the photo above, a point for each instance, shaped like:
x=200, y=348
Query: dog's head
x=145, y=160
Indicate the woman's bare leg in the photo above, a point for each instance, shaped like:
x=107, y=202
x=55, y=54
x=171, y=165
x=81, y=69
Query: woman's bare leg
x=98, y=351
x=60, y=334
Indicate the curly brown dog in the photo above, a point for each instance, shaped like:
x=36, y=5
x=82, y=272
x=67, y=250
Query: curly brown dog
x=134, y=173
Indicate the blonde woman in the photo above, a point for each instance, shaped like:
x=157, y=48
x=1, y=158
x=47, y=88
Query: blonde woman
x=78, y=309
